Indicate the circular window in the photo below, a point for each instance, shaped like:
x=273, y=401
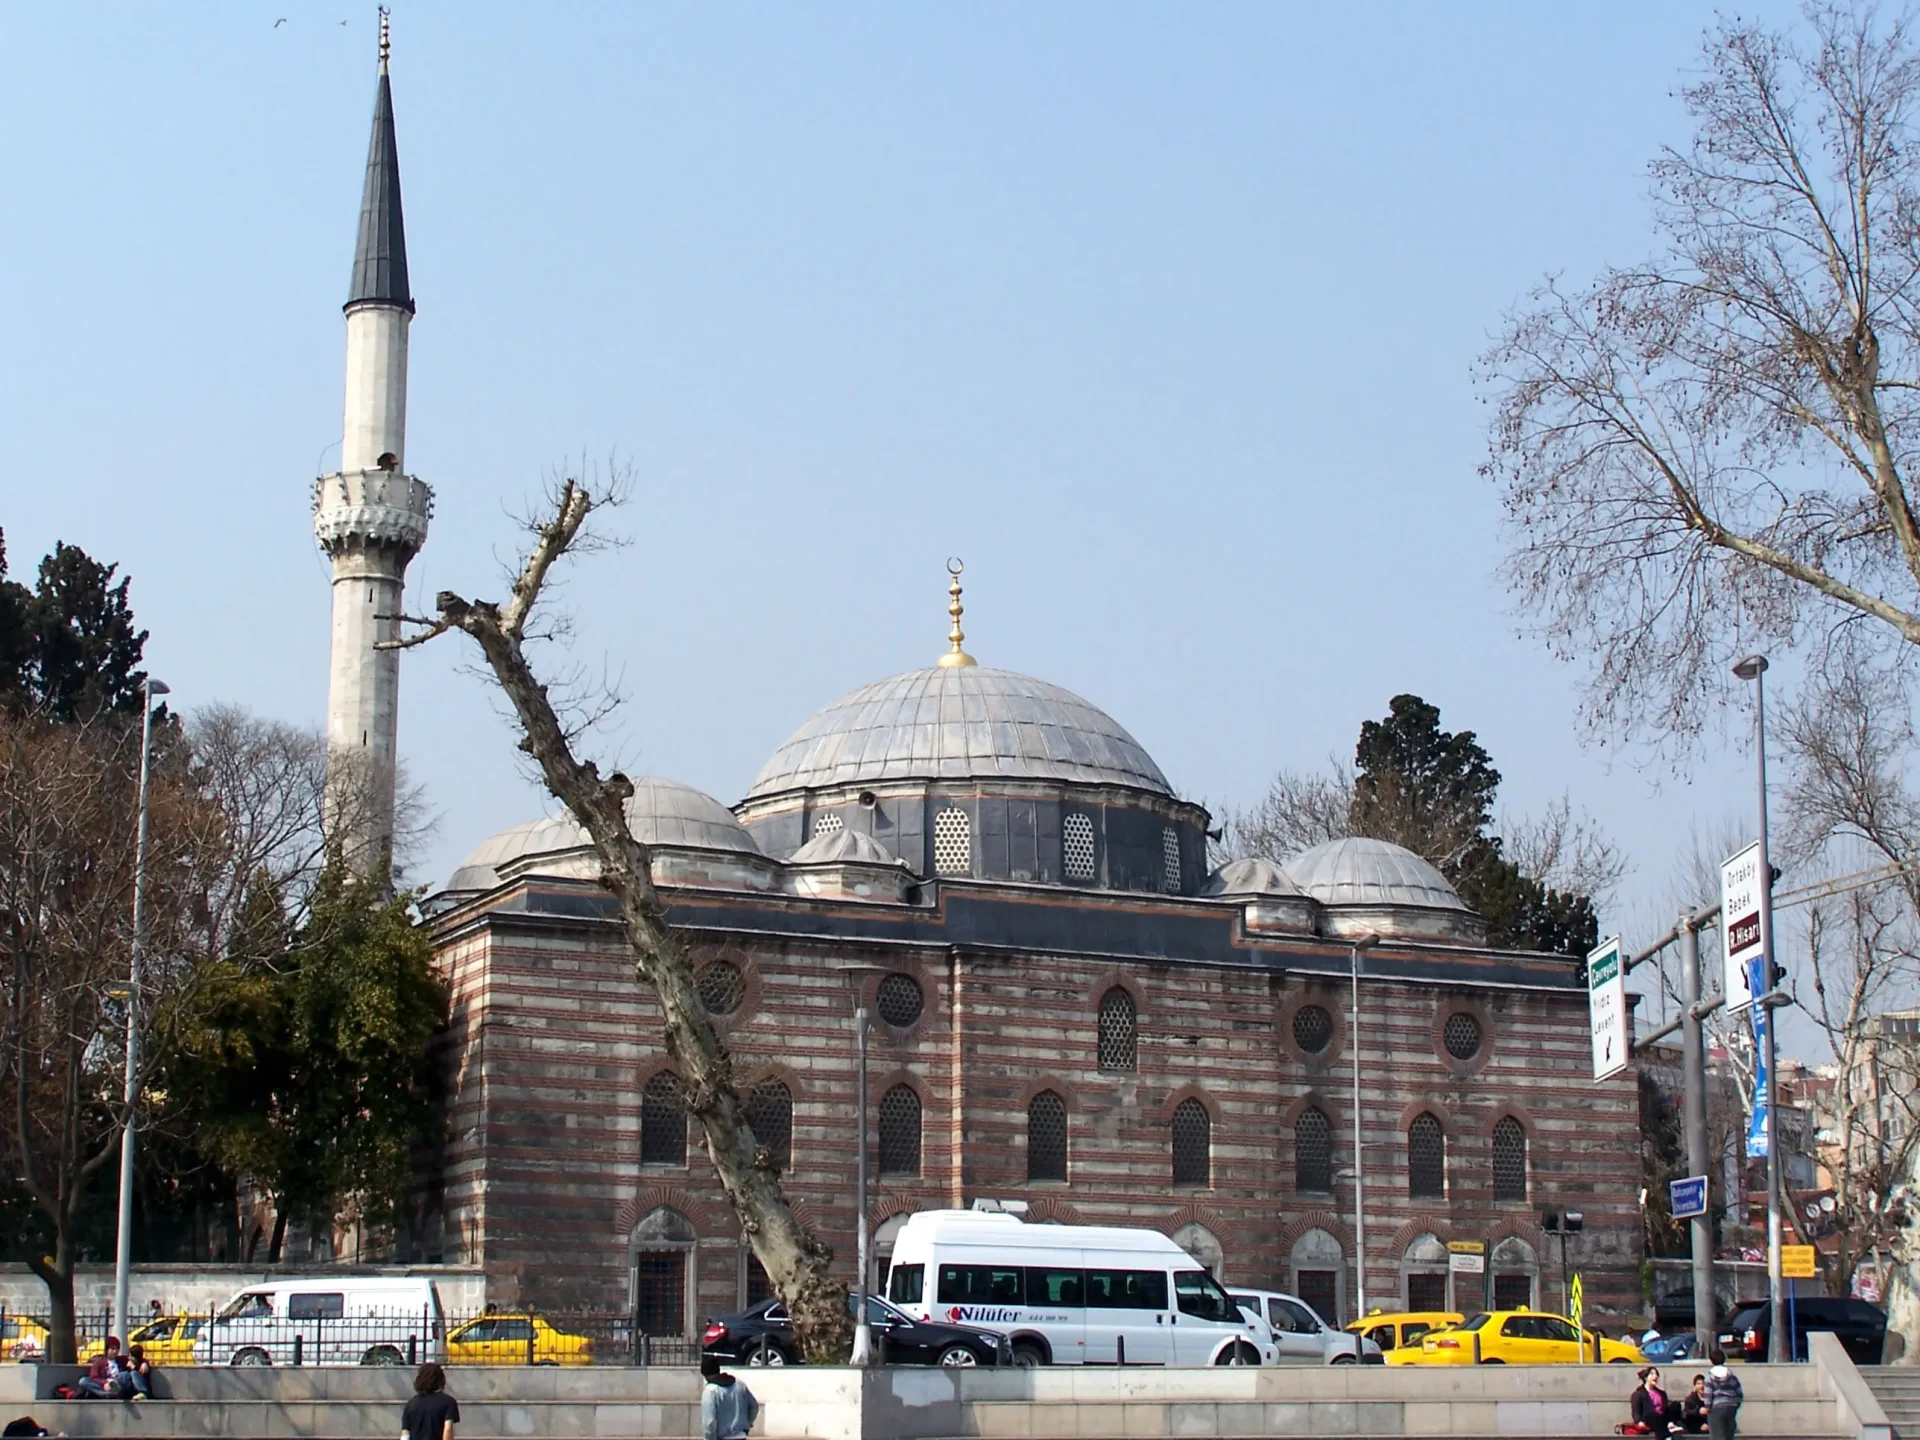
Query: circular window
x=1312, y=1028
x=1462, y=1036
x=900, y=1000
x=721, y=987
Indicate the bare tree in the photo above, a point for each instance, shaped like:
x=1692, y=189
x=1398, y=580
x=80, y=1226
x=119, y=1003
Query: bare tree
x=795, y=1261
x=1706, y=452
x=1301, y=809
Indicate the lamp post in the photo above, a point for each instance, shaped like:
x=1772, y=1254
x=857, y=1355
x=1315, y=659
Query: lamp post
x=855, y=976
x=123, y=1255
x=1354, y=947
x=1754, y=668
x=1562, y=1224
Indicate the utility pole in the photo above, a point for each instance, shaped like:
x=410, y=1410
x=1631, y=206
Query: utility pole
x=1693, y=1063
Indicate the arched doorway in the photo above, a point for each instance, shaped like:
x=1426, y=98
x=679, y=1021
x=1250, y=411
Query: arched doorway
x=660, y=1273
x=1516, y=1274
x=1320, y=1275
x=1423, y=1273
x=880, y=1249
x=1203, y=1245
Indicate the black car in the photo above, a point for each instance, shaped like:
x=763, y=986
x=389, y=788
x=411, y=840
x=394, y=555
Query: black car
x=1861, y=1328
x=1674, y=1311
x=764, y=1336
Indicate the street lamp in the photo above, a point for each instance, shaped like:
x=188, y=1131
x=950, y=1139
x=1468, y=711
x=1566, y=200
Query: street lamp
x=123, y=1255
x=1754, y=668
x=856, y=975
x=1564, y=1223
x=1354, y=947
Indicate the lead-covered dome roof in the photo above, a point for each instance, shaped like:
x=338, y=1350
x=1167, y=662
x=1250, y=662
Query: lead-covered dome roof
x=659, y=812
x=959, y=722
x=1358, y=871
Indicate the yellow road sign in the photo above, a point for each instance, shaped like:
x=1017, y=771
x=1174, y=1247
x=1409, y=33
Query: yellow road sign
x=1576, y=1296
x=1796, y=1262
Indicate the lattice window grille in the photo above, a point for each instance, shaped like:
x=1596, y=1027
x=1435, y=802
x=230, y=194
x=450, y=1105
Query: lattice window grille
x=722, y=987
x=1047, y=1137
x=1426, y=1159
x=1461, y=1036
x=663, y=1121
x=952, y=843
x=900, y=1132
x=1313, y=1153
x=1192, y=1144
x=1509, y=1160
x=1312, y=1028
x=827, y=825
x=1170, y=860
x=1119, y=1039
x=1076, y=844
x=770, y=1117
x=900, y=1000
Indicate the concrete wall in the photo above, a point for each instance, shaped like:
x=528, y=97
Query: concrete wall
x=197, y=1289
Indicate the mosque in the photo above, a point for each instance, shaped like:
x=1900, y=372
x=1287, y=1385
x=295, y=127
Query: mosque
x=1316, y=1076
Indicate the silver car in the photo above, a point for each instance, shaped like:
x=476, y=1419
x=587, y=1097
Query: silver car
x=1302, y=1336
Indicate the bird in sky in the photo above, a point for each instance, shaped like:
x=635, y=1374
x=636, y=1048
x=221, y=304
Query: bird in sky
x=281, y=21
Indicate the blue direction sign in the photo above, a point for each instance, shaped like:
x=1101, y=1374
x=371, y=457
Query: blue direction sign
x=1689, y=1196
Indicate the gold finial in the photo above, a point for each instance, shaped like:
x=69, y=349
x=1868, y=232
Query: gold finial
x=386, y=39
x=955, y=656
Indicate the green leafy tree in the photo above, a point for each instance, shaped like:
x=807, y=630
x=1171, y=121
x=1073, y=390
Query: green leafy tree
x=69, y=647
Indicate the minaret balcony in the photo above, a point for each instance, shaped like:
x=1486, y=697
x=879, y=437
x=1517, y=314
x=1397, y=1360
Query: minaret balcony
x=371, y=507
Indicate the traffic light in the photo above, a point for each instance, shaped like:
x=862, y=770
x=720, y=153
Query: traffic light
x=1779, y=975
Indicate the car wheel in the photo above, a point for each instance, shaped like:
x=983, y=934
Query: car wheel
x=382, y=1355
x=1027, y=1356
x=1240, y=1354
x=250, y=1357
x=1493, y=1360
x=1342, y=1360
x=958, y=1355
x=766, y=1353
x=1619, y=1360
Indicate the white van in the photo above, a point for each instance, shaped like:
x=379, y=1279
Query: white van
x=331, y=1320
x=1072, y=1294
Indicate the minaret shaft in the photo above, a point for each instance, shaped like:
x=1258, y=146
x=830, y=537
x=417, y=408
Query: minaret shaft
x=375, y=423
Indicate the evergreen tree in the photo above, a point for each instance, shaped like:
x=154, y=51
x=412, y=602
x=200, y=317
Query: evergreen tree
x=69, y=647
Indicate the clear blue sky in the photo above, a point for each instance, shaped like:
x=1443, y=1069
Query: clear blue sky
x=1161, y=316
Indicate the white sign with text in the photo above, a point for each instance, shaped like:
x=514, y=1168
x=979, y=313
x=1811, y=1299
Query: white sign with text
x=1607, y=1008
x=1741, y=925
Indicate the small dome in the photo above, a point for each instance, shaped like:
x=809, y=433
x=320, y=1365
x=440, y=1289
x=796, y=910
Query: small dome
x=845, y=847
x=659, y=812
x=1357, y=871
x=956, y=723
x=1252, y=876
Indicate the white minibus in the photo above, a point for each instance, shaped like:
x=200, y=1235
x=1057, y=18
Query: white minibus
x=1072, y=1294
x=327, y=1320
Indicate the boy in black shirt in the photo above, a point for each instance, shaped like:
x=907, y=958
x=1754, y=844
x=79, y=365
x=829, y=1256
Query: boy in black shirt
x=432, y=1413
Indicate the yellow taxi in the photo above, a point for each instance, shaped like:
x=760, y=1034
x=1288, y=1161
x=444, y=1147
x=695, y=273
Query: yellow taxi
x=22, y=1339
x=1515, y=1337
x=1397, y=1329
x=514, y=1337
x=166, y=1341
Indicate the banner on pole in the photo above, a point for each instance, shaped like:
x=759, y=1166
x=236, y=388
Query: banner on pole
x=1607, y=1009
x=1742, y=926
x=1762, y=1086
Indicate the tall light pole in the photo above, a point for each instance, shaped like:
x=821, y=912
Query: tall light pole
x=855, y=976
x=1754, y=668
x=124, y=1253
x=1354, y=947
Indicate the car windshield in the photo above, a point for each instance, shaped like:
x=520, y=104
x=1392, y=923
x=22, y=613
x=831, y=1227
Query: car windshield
x=250, y=1304
x=1746, y=1316
x=1472, y=1322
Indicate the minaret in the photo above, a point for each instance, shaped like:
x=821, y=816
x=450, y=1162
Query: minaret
x=371, y=517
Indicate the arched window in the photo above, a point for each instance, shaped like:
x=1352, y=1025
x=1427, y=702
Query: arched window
x=660, y=1252
x=663, y=1121
x=1509, y=1160
x=1192, y=1144
x=1170, y=859
x=1319, y=1273
x=722, y=987
x=1047, y=1137
x=1426, y=1158
x=900, y=1132
x=1423, y=1268
x=770, y=1115
x=1312, y=1153
x=1203, y=1245
x=1515, y=1270
x=952, y=843
x=1117, y=1037
x=828, y=825
x=1076, y=845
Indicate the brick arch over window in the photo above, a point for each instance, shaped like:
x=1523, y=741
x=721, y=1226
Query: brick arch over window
x=1046, y=1208
x=1334, y=1225
x=627, y=1213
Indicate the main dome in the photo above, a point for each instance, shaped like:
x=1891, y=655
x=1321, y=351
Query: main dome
x=954, y=723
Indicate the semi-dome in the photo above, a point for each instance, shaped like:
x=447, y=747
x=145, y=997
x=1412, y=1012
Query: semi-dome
x=659, y=812
x=843, y=847
x=1359, y=871
x=957, y=722
x=1253, y=876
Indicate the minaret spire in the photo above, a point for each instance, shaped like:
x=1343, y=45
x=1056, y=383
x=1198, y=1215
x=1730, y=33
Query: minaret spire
x=371, y=516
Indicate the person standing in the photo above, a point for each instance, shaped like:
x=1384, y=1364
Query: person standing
x=432, y=1413
x=1723, y=1398
x=727, y=1408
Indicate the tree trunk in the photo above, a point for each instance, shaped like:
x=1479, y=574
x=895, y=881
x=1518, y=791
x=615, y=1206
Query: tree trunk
x=279, y=1236
x=795, y=1261
x=56, y=1271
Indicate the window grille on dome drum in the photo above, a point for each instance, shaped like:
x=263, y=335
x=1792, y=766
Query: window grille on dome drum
x=827, y=825
x=1426, y=1158
x=1118, y=1040
x=721, y=986
x=663, y=1121
x=900, y=1001
x=900, y=1132
x=1509, y=1160
x=1076, y=844
x=1170, y=859
x=1312, y=1028
x=1462, y=1036
x=952, y=843
x=1192, y=1144
x=1047, y=1137
x=770, y=1117
x=1313, y=1153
